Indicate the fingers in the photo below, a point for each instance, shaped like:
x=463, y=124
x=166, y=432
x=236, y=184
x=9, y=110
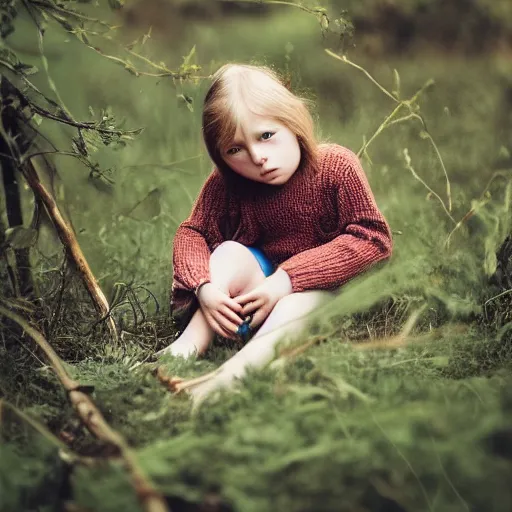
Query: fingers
x=231, y=315
x=220, y=324
x=218, y=329
x=248, y=297
x=232, y=304
x=259, y=317
x=252, y=306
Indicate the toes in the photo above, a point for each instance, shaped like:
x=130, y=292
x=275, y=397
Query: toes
x=178, y=350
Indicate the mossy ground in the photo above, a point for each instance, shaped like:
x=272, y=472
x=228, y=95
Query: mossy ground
x=425, y=426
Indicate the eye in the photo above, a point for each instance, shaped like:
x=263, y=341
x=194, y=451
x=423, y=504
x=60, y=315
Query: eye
x=267, y=135
x=232, y=151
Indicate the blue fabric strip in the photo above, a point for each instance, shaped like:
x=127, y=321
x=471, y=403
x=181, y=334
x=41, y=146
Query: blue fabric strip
x=264, y=262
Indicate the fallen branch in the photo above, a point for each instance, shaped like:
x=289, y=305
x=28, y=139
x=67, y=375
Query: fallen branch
x=150, y=499
x=69, y=241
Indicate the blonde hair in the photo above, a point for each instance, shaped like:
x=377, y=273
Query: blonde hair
x=232, y=91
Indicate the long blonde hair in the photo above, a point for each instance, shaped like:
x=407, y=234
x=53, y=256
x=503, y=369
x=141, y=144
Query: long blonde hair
x=232, y=91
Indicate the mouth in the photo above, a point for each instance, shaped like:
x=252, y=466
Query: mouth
x=265, y=173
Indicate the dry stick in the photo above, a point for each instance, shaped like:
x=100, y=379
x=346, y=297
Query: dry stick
x=292, y=352
x=68, y=239
x=149, y=497
x=40, y=429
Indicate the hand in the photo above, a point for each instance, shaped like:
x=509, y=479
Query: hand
x=221, y=312
x=264, y=297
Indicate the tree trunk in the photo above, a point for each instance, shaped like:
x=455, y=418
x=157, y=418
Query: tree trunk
x=10, y=175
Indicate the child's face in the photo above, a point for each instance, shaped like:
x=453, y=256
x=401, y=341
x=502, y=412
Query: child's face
x=263, y=150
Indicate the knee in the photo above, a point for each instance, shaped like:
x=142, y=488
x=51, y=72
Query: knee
x=233, y=268
x=228, y=251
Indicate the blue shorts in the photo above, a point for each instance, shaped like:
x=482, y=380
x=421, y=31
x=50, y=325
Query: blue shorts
x=264, y=262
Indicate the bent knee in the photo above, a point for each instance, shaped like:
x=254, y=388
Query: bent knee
x=229, y=249
x=234, y=268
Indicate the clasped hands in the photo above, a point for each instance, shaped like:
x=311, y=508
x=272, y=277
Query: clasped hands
x=226, y=314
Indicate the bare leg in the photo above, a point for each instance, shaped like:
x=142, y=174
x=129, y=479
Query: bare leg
x=289, y=316
x=234, y=270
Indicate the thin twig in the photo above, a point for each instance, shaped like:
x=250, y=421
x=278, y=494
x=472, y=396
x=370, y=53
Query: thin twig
x=343, y=58
x=506, y=292
x=439, y=157
x=409, y=166
x=379, y=129
x=412, y=114
x=178, y=384
x=283, y=2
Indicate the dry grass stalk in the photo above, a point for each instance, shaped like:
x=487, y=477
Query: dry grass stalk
x=178, y=384
x=397, y=341
x=69, y=241
x=150, y=499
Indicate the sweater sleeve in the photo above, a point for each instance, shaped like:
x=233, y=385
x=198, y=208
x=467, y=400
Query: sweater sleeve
x=198, y=235
x=365, y=235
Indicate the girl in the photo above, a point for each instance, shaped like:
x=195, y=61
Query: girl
x=280, y=221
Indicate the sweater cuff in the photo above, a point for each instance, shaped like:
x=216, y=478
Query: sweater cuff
x=200, y=285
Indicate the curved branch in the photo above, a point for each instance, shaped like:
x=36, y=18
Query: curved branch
x=91, y=416
x=69, y=241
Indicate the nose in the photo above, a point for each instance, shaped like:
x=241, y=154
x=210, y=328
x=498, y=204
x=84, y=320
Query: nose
x=257, y=157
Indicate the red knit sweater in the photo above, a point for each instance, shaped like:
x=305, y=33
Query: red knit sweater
x=322, y=227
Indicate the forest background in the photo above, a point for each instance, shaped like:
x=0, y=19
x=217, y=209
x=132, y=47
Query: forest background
x=399, y=398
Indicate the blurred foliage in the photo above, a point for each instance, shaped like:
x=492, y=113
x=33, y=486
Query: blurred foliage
x=462, y=27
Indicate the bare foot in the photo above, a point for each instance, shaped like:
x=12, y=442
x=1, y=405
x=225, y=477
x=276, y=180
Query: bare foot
x=223, y=378
x=183, y=348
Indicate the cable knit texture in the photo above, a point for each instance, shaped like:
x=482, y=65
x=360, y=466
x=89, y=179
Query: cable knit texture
x=322, y=228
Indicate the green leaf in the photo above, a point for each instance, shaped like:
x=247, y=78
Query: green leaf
x=19, y=237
